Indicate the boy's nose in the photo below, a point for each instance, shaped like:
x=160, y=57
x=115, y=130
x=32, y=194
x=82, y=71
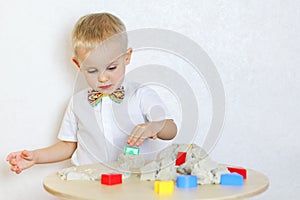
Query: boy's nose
x=102, y=78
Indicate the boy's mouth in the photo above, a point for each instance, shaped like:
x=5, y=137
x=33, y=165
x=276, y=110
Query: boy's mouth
x=105, y=87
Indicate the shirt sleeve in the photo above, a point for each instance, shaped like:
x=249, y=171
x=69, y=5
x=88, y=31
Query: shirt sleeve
x=152, y=105
x=69, y=126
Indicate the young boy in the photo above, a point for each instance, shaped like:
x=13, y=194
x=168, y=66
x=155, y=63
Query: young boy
x=112, y=112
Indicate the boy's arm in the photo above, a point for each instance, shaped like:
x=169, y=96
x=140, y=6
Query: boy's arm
x=60, y=151
x=24, y=159
x=164, y=129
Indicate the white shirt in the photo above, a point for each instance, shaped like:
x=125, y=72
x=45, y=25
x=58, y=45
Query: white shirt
x=101, y=132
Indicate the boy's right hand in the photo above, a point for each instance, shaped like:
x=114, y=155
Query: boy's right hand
x=20, y=160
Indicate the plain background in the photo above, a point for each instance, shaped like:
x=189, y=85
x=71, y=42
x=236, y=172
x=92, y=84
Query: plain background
x=254, y=44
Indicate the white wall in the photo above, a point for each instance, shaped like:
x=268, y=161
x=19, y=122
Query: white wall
x=254, y=45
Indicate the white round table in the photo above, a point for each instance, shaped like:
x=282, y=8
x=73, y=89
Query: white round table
x=133, y=188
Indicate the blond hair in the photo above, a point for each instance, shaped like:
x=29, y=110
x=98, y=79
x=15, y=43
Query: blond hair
x=91, y=30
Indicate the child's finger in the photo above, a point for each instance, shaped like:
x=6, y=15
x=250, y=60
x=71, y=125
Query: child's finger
x=133, y=139
x=13, y=161
x=140, y=141
x=14, y=168
x=153, y=137
x=132, y=134
x=18, y=171
x=146, y=133
x=135, y=135
x=10, y=156
x=26, y=155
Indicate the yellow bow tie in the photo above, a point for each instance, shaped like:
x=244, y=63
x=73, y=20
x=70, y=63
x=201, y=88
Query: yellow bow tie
x=95, y=97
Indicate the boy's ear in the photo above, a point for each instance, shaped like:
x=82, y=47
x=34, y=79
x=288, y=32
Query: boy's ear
x=76, y=62
x=128, y=56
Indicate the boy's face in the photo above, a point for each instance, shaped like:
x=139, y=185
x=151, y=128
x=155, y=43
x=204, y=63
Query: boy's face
x=104, y=70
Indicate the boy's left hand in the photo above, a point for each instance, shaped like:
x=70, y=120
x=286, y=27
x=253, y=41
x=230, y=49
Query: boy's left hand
x=143, y=131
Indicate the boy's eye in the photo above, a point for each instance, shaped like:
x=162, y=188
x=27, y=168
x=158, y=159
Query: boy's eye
x=92, y=70
x=112, y=67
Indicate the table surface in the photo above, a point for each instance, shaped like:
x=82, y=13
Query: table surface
x=134, y=188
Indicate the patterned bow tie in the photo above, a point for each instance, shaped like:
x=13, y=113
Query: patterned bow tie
x=95, y=97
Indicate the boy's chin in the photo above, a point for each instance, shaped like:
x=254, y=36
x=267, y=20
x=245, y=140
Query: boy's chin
x=107, y=91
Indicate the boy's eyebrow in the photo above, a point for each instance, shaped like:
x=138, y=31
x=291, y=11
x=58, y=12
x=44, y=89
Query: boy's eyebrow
x=95, y=67
x=113, y=62
x=116, y=61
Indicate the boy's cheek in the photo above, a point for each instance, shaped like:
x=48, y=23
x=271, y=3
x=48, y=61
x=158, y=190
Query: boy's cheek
x=92, y=83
